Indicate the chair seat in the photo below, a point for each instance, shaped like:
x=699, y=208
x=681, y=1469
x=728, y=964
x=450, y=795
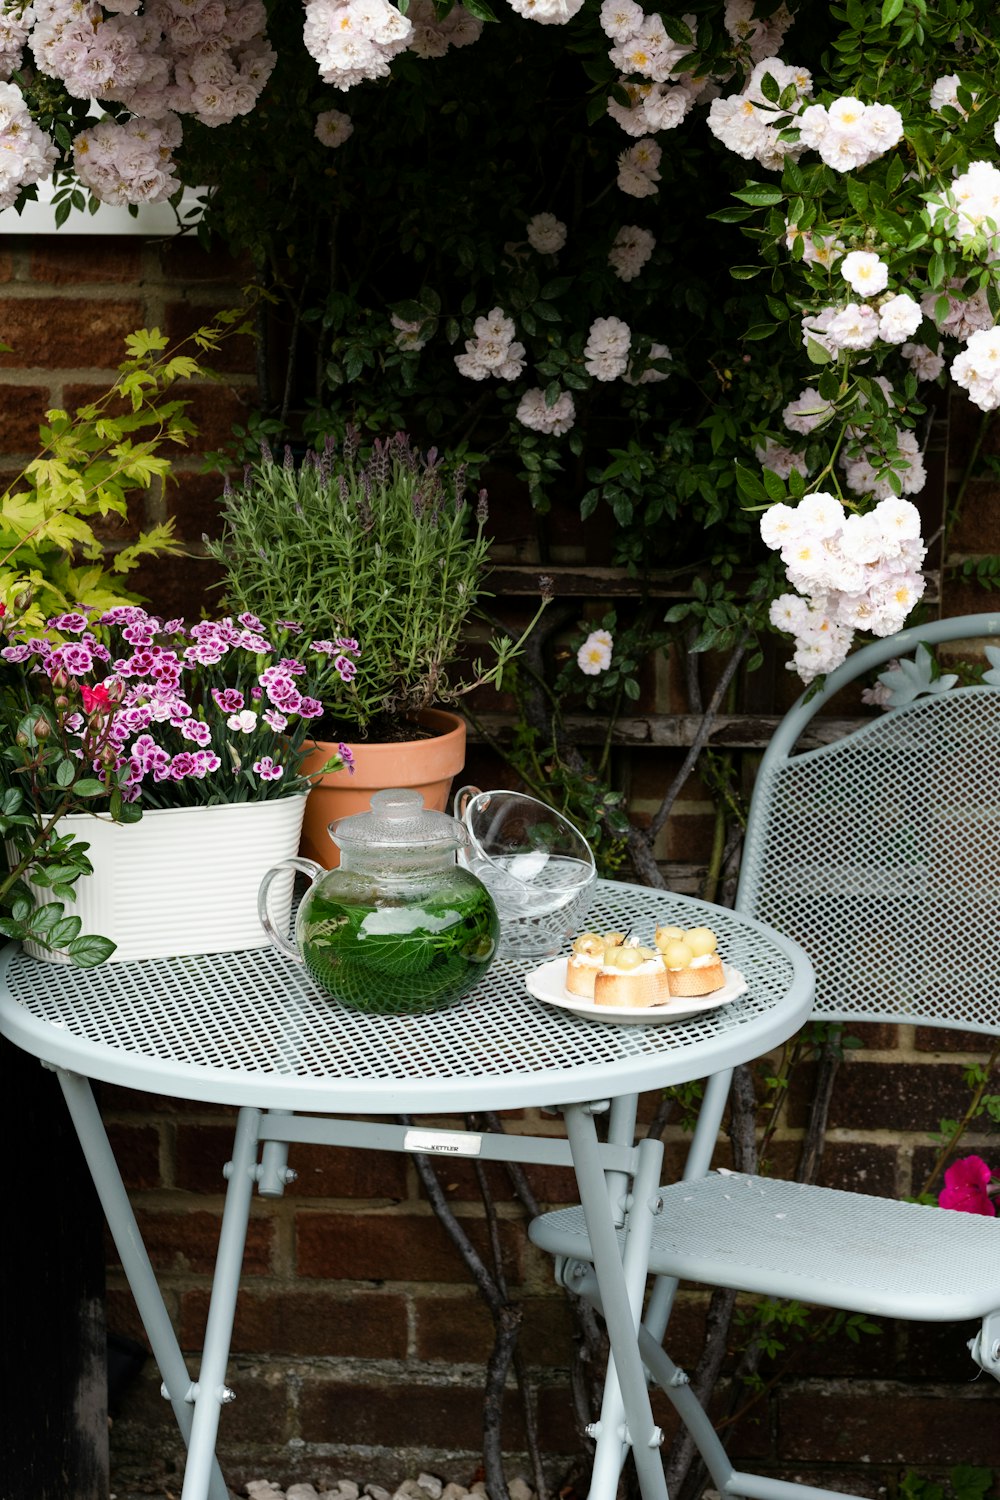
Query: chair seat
x=818, y=1245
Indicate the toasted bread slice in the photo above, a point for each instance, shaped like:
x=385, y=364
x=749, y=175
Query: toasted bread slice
x=696, y=979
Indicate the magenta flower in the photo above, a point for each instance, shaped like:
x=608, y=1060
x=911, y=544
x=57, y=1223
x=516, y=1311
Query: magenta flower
x=230, y=700
x=73, y=623
x=965, y=1187
x=267, y=770
x=346, y=668
x=251, y=622
x=347, y=756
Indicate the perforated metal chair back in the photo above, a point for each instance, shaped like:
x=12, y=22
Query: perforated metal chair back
x=880, y=852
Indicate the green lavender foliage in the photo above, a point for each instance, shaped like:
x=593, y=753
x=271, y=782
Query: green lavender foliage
x=382, y=549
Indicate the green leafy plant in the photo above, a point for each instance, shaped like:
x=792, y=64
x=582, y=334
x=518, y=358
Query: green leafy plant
x=379, y=549
x=90, y=465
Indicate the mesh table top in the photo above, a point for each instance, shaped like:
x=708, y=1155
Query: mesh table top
x=252, y=1028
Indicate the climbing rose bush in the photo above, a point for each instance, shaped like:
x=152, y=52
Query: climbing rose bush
x=581, y=318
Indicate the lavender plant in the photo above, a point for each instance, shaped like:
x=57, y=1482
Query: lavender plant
x=381, y=547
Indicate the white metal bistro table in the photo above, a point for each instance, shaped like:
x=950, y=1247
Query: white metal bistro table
x=251, y=1029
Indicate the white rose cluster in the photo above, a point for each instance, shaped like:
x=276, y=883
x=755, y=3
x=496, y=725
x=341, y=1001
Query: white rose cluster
x=546, y=234
x=14, y=28
x=607, y=348
x=817, y=250
x=208, y=59
x=26, y=153
x=780, y=459
x=761, y=36
x=750, y=125
x=352, y=40
x=650, y=375
x=944, y=94
x=642, y=47
x=849, y=134
x=807, y=412
x=432, y=35
x=977, y=368
x=852, y=572
x=533, y=411
x=864, y=479
x=130, y=162
x=638, y=168
x=632, y=247
x=410, y=334
x=966, y=312
x=654, y=106
x=333, y=127
x=973, y=199
x=493, y=351
x=547, y=12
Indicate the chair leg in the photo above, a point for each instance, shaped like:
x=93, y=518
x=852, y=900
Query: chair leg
x=170, y=1362
x=626, y=1416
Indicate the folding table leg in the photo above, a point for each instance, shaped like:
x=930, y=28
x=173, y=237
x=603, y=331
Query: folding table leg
x=125, y=1231
x=626, y=1414
x=211, y=1392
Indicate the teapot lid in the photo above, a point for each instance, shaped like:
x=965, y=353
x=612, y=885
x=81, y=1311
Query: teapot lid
x=397, y=819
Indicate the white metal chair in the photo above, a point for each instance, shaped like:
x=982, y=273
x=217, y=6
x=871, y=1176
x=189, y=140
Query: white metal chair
x=880, y=854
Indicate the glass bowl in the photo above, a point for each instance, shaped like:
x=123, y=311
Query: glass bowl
x=538, y=868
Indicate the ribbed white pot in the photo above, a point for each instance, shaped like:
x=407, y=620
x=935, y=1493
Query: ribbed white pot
x=183, y=880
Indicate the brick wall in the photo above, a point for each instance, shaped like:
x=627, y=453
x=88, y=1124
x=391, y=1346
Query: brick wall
x=360, y=1345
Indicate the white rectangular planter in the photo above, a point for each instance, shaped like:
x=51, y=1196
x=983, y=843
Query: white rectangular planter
x=183, y=880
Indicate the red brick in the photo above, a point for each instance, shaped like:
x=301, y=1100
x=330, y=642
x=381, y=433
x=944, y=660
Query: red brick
x=887, y=1096
x=323, y=1171
x=68, y=259
x=6, y=266
x=23, y=408
x=403, y=1414
x=854, y=1166
x=393, y=1247
x=945, y=1039
x=55, y=332
x=124, y=1101
x=365, y=1324
x=188, y=1241
x=214, y=410
x=183, y=586
x=460, y=1330
x=192, y=501
x=889, y=1424
x=185, y=259
x=137, y=1152
x=236, y=353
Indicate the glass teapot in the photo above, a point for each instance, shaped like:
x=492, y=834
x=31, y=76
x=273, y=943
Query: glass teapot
x=399, y=928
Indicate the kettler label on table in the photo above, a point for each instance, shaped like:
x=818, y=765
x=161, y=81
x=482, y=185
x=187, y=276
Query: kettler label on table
x=443, y=1142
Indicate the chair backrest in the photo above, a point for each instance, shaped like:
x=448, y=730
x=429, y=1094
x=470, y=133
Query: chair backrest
x=880, y=852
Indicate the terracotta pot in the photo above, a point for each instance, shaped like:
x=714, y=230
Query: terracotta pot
x=428, y=765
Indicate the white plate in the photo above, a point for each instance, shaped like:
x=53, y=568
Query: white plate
x=548, y=983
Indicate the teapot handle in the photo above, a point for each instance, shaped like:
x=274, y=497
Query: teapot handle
x=306, y=867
